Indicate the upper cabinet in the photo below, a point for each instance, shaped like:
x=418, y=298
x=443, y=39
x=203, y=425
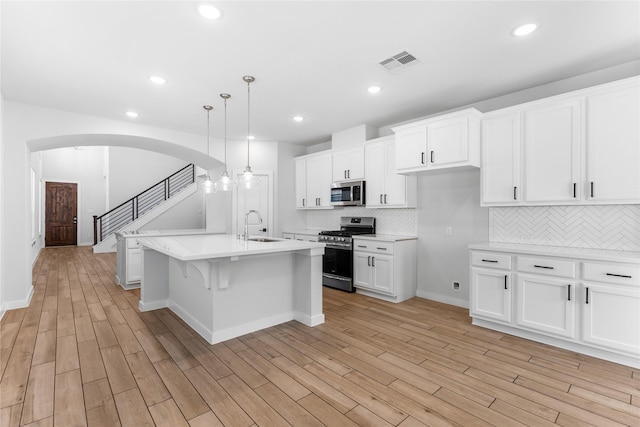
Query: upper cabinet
x=578, y=148
x=313, y=181
x=613, y=144
x=447, y=141
x=386, y=188
x=348, y=164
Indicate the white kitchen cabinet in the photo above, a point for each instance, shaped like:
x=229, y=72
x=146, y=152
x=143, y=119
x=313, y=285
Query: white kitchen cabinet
x=546, y=304
x=134, y=261
x=385, y=187
x=447, y=141
x=577, y=148
x=613, y=144
x=313, y=181
x=501, y=153
x=610, y=303
x=385, y=267
x=301, y=183
x=348, y=164
x=552, y=142
x=490, y=290
x=572, y=299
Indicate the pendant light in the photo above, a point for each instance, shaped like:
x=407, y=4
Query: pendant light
x=225, y=183
x=207, y=185
x=248, y=180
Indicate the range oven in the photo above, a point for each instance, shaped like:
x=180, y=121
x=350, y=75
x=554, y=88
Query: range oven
x=337, y=265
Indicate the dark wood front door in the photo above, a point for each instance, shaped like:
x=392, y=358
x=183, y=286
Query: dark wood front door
x=61, y=200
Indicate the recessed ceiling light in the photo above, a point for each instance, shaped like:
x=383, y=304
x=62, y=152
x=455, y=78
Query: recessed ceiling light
x=157, y=80
x=298, y=118
x=374, y=89
x=251, y=137
x=132, y=114
x=209, y=11
x=525, y=29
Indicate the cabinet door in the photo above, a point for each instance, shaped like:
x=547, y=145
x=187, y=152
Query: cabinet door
x=134, y=265
x=552, y=153
x=362, y=272
x=348, y=164
x=319, y=179
x=448, y=141
x=491, y=294
x=374, y=171
x=395, y=188
x=411, y=145
x=301, y=183
x=501, y=140
x=383, y=273
x=610, y=317
x=546, y=304
x=613, y=146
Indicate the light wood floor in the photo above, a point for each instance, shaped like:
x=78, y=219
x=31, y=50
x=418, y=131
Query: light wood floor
x=82, y=354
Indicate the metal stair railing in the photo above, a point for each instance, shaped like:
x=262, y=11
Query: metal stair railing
x=127, y=212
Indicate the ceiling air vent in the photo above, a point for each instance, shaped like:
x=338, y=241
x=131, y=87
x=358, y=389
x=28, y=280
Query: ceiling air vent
x=399, y=62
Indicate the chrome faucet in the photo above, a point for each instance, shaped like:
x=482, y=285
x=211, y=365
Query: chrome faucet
x=246, y=222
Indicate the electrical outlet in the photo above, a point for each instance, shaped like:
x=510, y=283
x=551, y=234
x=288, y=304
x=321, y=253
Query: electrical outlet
x=448, y=231
x=456, y=286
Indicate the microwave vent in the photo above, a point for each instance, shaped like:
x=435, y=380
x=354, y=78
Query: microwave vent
x=399, y=62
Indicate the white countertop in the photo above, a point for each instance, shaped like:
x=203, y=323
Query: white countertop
x=307, y=231
x=152, y=233
x=384, y=237
x=561, y=251
x=209, y=246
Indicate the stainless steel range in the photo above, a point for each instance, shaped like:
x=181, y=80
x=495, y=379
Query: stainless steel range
x=337, y=265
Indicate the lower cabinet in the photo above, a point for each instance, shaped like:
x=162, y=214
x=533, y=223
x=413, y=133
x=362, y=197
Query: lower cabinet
x=385, y=269
x=491, y=294
x=582, y=305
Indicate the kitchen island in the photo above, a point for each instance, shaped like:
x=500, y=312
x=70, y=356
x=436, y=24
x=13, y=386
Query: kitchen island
x=224, y=287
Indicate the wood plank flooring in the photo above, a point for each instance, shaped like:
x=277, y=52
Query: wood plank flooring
x=82, y=354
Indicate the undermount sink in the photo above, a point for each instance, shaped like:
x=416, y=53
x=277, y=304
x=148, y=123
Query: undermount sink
x=264, y=239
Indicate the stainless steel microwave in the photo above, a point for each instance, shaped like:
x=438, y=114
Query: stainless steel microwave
x=350, y=193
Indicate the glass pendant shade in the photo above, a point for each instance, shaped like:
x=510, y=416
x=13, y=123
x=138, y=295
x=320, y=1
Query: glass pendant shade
x=207, y=186
x=248, y=180
x=225, y=183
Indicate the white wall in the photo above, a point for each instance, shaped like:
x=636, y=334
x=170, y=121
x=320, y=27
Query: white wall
x=448, y=199
x=83, y=166
x=132, y=171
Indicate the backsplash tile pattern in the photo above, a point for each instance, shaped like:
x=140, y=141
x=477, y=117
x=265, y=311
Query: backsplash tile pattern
x=401, y=222
x=614, y=227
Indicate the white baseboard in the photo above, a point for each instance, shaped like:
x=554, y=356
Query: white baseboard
x=153, y=305
x=22, y=303
x=309, y=320
x=458, y=302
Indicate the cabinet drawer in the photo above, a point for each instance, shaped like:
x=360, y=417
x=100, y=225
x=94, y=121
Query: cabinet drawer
x=491, y=260
x=132, y=243
x=611, y=273
x=547, y=266
x=372, y=246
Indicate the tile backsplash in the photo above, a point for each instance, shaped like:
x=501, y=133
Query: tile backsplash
x=401, y=222
x=615, y=227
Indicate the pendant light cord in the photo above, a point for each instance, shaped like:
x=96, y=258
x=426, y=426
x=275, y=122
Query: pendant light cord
x=225, y=134
x=248, y=119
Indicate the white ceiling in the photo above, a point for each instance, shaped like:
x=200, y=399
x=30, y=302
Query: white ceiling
x=314, y=58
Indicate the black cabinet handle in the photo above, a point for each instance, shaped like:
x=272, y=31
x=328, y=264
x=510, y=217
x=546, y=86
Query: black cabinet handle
x=303, y=203
x=382, y=249
x=568, y=292
x=348, y=173
x=544, y=266
x=431, y=156
x=369, y=261
x=361, y=246
x=619, y=275
x=489, y=260
x=515, y=193
x=385, y=199
x=345, y=174
x=505, y=282
x=574, y=189
x=380, y=198
x=373, y=261
x=592, y=189
x=587, y=301
x=422, y=158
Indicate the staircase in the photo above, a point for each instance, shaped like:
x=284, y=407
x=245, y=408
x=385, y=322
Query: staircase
x=142, y=208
